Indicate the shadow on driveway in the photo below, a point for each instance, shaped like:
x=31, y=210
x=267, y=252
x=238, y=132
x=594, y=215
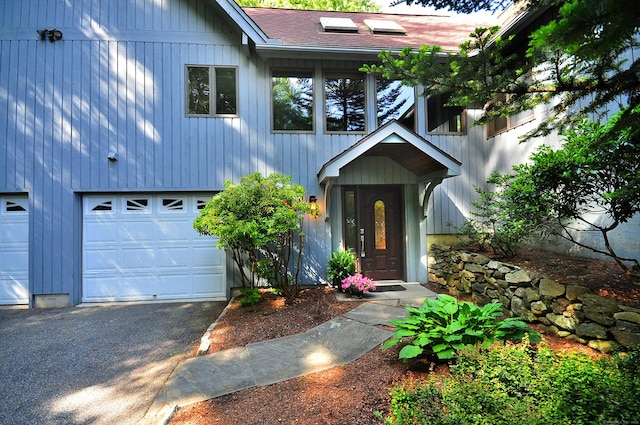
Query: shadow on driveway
x=93, y=365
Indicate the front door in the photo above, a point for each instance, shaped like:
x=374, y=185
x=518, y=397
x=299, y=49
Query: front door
x=374, y=229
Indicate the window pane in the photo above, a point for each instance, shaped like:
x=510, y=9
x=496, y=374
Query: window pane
x=226, y=91
x=380, y=226
x=344, y=100
x=350, y=229
x=199, y=91
x=393, y=101
x=444, y=119
x=292, y=103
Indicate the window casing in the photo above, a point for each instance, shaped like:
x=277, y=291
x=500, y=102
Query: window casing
x=442, y=119
x=292, y=102
x=344, y=100
x=211, y=91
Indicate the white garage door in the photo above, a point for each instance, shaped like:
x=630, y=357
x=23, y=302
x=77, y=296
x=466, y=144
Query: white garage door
x=144, y=247
x=14, y=250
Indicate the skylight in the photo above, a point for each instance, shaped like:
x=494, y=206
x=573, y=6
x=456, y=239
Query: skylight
x=380, y=26
x=338, y=24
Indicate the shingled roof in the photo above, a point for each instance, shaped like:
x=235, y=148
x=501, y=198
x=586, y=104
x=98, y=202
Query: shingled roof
x=302, y=28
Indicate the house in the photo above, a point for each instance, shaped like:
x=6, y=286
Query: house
x=120, y=119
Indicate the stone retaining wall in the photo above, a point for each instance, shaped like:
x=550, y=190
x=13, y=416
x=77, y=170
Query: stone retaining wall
x=569, y=311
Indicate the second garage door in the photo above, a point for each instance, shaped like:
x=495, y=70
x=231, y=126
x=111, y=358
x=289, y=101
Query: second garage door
x=143, y=247
x=14, y=250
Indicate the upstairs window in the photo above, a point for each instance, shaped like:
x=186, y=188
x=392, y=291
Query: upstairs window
x=394, y=101
x=502, y=124
x=344, y=101
x=211, y=91
x=442, y=119
x=292, y=97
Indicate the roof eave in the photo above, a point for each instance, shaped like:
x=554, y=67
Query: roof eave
x=271, y=50
x=331, y=169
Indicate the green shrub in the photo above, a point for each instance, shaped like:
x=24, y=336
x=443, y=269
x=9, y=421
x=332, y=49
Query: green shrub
x=341, y=264
x=250, y=297
x=499, y=221
x=442, y=326
x=517, y=384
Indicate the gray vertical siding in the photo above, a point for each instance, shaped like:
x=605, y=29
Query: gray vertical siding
x=115, y=82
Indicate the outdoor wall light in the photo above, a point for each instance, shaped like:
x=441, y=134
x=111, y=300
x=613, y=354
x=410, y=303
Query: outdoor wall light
x=313, y=204
x=52, y=35
x=112, y=157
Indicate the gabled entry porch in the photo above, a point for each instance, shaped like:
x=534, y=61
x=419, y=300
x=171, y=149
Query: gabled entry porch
x=376, y=194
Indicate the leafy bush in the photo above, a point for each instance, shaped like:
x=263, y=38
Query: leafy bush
x=342, y=263
x=499, y=220
x=514, y=383
x=442, y=326
x=259, y=221
x=250, y=297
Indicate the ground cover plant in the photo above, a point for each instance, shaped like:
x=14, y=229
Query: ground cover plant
x=516, y=383
x=443, y=326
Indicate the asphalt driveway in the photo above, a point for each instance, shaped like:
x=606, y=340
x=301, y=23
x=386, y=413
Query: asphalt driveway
x=93, y=365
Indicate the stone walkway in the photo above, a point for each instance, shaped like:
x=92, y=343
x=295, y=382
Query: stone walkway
x=338, y=341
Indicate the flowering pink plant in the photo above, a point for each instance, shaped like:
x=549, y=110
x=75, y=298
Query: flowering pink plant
x=358, y=282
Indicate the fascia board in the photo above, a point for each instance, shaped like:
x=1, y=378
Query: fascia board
x=244, y=22
x=279, y=50
x=393, y=133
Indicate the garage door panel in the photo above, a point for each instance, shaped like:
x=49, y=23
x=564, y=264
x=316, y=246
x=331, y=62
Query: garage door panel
x=137, y=258
x=102, y=259
x=174, y=286
x=208, y=284
x=174, y=231
x=136, y=230
x=13, y=288
x=174, y=257
x=15, y=261
x=134, y=287
x=14, y=233
x=208, y=256
x=98, y=288
x=150, y=253
x=100, y=231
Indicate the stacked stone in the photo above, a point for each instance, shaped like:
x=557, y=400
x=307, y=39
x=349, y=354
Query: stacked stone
x=569, y=311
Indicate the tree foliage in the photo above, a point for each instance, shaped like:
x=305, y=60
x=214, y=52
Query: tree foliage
x=340, y=5
x=590, y=184
x=579, y=61
x=260, y=222
x=579, y=57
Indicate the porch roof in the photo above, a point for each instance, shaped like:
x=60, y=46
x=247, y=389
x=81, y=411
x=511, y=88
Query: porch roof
x=401, y=145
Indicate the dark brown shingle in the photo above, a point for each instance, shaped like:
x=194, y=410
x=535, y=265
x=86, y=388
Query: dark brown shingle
x=302, y=28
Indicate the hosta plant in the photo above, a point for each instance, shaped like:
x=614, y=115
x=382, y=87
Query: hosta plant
x=443, y=326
